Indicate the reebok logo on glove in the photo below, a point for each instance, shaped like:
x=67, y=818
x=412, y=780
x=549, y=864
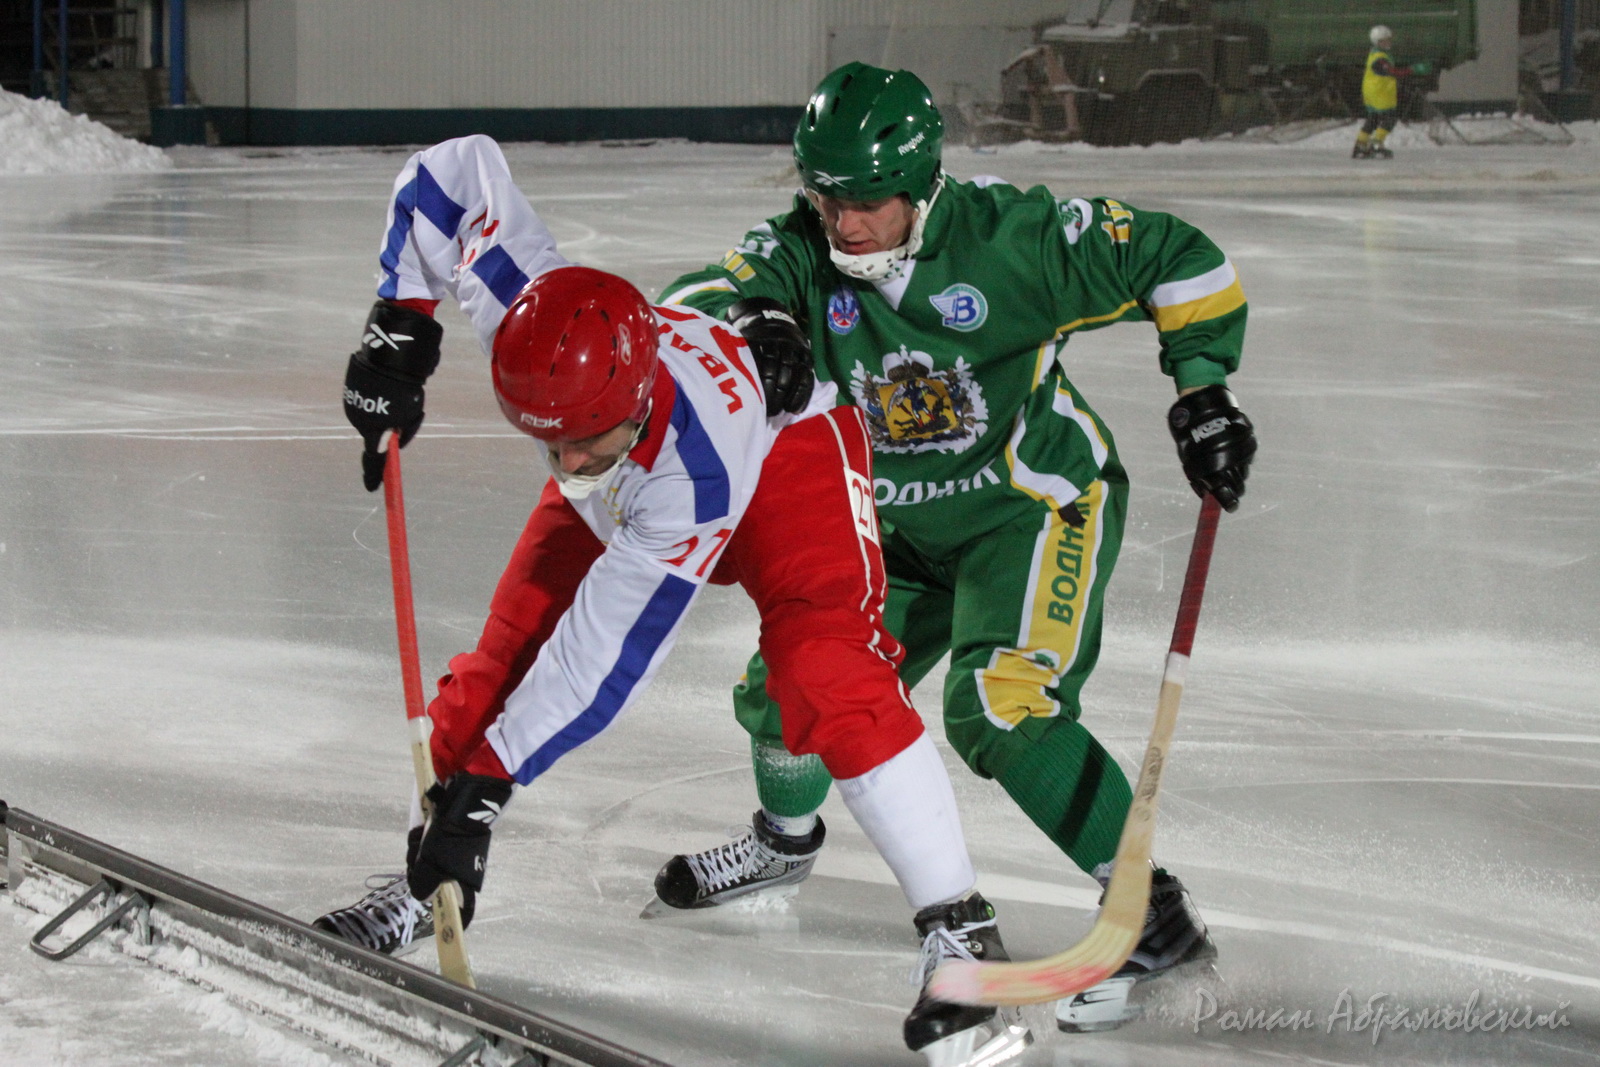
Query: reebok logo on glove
x=487, y=814
x=1210, y=429
x=376, y=336
x=371, y=405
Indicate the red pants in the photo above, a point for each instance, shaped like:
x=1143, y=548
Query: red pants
x=806, y=551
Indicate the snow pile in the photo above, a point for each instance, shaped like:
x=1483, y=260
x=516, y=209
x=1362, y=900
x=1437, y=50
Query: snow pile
x=1585, y=132
x=41, y=137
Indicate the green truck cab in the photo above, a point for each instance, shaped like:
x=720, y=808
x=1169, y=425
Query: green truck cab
x=1142, y=71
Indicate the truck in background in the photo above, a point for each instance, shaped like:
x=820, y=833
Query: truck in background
x=1115, y=72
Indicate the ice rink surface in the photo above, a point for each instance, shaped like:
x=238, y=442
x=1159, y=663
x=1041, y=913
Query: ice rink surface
x=1384, y=783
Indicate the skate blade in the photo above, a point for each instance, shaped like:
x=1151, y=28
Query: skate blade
x=979, y=1046
x=1118, y=1001
x=660, y=909
x=1101, y=1007
x=410, y=947
x=1170, y=995
x=762, y=902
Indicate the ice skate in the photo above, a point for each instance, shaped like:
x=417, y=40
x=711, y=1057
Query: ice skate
x=757, y=859
x=1361, y=151
x=388, y=919
x=1174, y=940
x=955, y=1035
x=1381, y=152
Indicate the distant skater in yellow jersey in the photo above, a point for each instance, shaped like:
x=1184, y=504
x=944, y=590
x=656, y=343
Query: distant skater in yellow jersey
x=1380, y=91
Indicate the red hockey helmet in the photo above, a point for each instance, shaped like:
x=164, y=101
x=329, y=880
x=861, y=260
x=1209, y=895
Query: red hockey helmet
x=575, y=355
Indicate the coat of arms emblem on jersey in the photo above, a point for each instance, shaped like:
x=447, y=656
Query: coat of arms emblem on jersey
x=913, y=408
x=844, y=310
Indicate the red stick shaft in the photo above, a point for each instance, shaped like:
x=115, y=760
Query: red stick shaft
x=1194, y=579
x=405, y=619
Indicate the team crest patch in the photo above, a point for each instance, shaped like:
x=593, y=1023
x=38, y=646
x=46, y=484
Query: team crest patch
x=963, y=307
x=844, y=310
x=914, y=408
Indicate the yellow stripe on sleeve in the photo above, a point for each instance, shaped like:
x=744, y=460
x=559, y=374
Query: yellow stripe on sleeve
x=1177, y=316
x=734, y=264
x=1088, y=320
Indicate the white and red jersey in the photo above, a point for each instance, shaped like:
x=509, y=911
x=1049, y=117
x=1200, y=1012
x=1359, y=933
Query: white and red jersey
x=665, y=520
x=458, y=225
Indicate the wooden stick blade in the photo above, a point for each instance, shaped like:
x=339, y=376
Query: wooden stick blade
x=1101, y=953
x=1088, y=963
x=447, y=936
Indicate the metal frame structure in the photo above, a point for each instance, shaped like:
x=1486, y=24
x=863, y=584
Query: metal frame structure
x=121, y=46
x=384, y=993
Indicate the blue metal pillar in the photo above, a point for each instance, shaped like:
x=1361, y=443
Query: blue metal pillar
x=178, y=122
x=178, y=52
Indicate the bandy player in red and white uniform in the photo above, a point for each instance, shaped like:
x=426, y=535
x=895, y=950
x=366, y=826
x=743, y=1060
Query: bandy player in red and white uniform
x=667, y=473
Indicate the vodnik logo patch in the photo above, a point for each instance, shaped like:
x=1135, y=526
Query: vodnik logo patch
x=963, y=307
x=844, y=310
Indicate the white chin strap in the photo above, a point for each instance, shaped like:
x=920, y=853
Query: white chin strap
x=580, y=486
x=876, y=266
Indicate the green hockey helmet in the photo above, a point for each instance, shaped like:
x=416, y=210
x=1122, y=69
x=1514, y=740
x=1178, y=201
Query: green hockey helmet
x=869, y=133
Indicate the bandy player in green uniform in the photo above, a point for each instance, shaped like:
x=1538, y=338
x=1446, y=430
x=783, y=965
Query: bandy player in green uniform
x=942, y=309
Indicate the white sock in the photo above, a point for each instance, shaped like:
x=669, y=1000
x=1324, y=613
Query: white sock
x=908, y=811
x=791, y=825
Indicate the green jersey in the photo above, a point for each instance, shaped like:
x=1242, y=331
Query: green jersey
x=956, y=358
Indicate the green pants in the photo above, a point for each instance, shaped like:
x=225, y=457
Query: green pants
x=1019, y=610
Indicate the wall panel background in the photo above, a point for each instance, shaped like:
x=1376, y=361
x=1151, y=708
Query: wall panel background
x=217, y=51
x=339, y=54
x=557, y=53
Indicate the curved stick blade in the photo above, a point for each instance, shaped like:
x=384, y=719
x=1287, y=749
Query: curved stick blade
x=1116, y=931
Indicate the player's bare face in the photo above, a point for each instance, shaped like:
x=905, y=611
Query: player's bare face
x=861, y=227
x=597, y=454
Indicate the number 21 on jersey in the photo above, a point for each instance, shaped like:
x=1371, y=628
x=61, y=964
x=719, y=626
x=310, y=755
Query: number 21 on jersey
x=699, y=555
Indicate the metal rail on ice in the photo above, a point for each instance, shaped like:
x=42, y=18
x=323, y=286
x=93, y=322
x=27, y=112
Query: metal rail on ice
x=383, y=980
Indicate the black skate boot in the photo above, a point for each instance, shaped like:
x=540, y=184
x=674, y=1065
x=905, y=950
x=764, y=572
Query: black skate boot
x=388, y=919
x=1361, y=151
x=1381, y=152
x=951, y=1035
x=758, y=858
x=1174, y=936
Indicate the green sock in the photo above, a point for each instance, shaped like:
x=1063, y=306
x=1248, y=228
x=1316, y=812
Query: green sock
x=788, y=785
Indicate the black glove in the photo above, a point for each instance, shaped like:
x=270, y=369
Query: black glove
x=781, y=351
x=455, y=843
x=469, y=899
x=383, y=383
x=1215, y=443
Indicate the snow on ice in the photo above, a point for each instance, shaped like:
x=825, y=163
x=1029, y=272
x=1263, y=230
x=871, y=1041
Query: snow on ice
x=41, y=137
